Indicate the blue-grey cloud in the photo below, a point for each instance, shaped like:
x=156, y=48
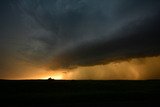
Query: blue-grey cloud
x=67, y=34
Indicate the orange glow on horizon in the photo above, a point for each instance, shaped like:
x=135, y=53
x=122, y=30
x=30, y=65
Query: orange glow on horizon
x=134, y=69
x=56, y=75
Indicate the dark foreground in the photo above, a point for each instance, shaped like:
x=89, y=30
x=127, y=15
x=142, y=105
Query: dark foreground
x=52, y=93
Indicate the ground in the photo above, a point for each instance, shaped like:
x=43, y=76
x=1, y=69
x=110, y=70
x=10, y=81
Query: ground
x=61, y=93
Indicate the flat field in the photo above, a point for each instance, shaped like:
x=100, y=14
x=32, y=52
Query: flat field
x=66, y=93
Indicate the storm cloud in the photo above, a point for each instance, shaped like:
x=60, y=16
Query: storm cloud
x=65, y=34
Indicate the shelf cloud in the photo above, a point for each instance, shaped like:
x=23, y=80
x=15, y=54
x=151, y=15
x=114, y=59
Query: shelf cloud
x=65, y=34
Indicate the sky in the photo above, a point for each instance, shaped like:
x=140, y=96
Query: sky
x=80, y=39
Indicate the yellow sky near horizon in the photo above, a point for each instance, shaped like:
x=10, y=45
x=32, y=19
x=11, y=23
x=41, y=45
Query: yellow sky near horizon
x=134, y=69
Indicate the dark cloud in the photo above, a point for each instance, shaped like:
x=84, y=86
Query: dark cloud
x=67, y=34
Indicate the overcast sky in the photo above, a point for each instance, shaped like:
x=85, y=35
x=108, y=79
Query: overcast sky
x=67, y=34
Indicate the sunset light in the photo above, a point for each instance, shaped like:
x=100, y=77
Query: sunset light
x=57, y=77
x=63, y=53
